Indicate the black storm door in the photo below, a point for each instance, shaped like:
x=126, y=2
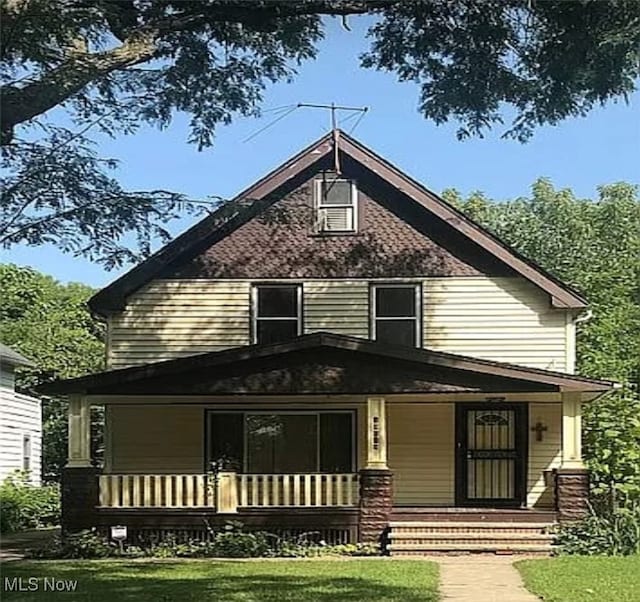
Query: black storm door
x=491, y=454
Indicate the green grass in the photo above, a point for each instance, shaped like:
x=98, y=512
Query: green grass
x=583, y=578
x=231, y=581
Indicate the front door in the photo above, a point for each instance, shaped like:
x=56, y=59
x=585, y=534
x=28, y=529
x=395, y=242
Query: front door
x=491, y=442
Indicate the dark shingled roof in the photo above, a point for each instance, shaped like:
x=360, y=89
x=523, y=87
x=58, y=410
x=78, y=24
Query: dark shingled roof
x=323, y=363
x=421, y=206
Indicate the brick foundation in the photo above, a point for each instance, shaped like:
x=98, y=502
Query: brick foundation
x=376, y=502
x=79, y=498
x=572, y=493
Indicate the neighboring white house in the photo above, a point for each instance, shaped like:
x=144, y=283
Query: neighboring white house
x=20, y=421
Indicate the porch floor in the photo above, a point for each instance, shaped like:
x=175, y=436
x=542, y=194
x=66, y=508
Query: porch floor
x=462, y=514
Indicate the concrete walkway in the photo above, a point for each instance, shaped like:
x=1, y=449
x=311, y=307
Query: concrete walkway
x=15, y=545
x=481, y=579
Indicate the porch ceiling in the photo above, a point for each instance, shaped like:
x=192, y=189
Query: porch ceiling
x=322, y=363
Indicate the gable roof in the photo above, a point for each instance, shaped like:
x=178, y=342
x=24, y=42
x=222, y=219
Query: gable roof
x=13, y=358
x=252, y=201
x=323, y=363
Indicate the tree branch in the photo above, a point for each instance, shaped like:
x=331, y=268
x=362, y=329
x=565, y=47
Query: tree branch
x=21, y=104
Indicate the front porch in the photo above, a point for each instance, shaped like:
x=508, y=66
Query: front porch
x=342, y=437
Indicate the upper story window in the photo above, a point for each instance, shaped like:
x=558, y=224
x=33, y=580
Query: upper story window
x=277, y=312
x=336, y=202
x=395, y=315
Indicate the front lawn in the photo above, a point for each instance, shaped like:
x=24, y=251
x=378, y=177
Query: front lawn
x=583, y=578
x=231, y=581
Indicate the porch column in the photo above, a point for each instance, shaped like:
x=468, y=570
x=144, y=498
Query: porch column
x=79, y=433
x=572, y=478
x=79, y=478
x=376, y=433
x=376, y=480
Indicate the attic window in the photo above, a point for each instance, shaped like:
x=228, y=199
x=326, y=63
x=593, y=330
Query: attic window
x=336, y=205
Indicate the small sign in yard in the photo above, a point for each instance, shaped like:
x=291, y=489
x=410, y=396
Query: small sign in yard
x=119, y=532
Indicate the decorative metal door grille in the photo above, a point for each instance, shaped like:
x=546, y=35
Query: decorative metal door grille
x=491, y=454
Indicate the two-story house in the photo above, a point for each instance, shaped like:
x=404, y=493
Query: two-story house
x=337, y=350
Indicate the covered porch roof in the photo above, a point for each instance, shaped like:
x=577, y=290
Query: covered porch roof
x=323, y=363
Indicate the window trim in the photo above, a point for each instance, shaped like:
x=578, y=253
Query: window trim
x=354, y=434
x=318, y=205
x=254, y=307
x=417, y=286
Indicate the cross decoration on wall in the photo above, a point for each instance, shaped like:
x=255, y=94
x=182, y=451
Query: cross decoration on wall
x=538, y=429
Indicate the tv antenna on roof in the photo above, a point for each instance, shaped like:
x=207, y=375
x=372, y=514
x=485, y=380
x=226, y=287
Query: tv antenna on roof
x=333, y=108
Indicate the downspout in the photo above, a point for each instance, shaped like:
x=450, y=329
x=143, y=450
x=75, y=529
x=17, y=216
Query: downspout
x=587, y=316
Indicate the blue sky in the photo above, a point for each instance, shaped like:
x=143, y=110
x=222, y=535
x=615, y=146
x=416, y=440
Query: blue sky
x=580, y=153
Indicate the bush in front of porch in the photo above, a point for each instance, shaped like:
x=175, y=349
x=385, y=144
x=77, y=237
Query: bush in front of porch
x=605, y=532
x=230, y=542
x=26, y=506
x=361, y=580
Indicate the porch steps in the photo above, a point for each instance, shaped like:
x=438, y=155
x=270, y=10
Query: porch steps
x=411, y=538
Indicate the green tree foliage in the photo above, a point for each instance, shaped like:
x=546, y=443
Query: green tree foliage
x=594, y=246
x=50, y=324
x=114, y=65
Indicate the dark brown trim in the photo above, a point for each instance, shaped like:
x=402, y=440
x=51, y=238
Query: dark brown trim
x=561, y=294
x=256, y=198
x=99, y=383
x=519, y=500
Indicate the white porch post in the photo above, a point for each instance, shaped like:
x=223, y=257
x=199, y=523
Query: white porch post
x=79, y=433
x=572, y=430
x=227, y=493
x=376, y=433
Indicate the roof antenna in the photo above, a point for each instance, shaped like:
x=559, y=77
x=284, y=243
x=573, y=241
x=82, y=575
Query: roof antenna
x=334, y=126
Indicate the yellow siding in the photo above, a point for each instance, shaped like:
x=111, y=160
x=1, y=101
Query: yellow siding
x=421, y=453
x=157, y=439
x=545, y=454
x=337, y=306
x=502, y=319
x=171, y=318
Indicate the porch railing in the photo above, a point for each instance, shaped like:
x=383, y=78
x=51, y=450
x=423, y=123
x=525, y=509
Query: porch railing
x=305, y=490
x=155, y=491
x=228, y=492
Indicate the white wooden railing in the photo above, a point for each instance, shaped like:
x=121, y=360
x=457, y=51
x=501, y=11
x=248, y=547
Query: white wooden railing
x=302, y=490
x=229, y=491
x=154, y=491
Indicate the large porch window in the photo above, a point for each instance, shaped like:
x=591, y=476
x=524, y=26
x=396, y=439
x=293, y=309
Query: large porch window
x=282, y=442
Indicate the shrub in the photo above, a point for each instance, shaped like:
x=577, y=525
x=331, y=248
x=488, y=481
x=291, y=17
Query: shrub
x=25, y=506
x=232, y=542
x=615, y=533
x=83, y=544
x=240, y=544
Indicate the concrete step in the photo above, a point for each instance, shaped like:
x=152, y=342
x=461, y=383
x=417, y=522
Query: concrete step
x=408, y=538
x=471, y=536
x=401, y=525
x=396, y=551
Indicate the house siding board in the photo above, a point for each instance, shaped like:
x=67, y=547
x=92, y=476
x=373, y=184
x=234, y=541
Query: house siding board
x=157, y=439
x=421, y=453
x=175, y=318
x=543, y=455
x=19, y=415
x=341, y=307
x=501, y=319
